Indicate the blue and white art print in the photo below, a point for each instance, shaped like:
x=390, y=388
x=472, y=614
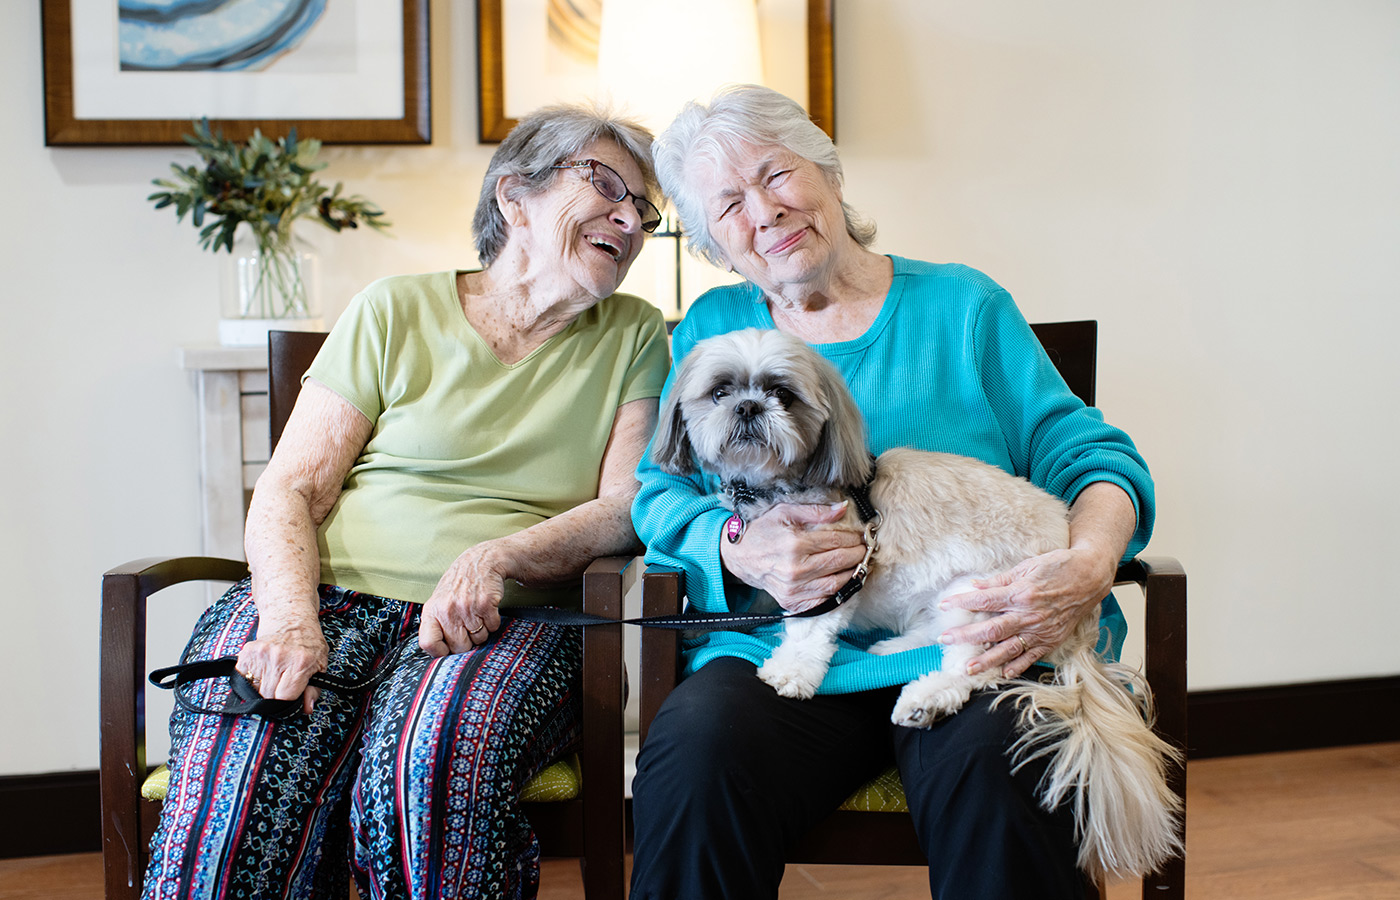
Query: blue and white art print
x=238, y=59
x=211, y=35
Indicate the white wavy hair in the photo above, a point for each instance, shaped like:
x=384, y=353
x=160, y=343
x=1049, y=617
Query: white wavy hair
x=738, y=115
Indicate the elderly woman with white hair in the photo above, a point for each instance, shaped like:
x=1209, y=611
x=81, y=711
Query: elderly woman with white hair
x=938, y=358
x=461, y=434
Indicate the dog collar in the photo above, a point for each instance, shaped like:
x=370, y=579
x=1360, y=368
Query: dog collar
x=741, y=492
x=861, y=496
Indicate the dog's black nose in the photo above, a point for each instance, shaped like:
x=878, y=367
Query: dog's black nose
x=747, y=409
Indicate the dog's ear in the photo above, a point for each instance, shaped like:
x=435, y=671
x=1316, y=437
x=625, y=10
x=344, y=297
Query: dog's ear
x=841, y=456
x=671, y=448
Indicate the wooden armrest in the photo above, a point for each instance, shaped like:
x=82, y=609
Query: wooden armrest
x=611, y=577
x=125, y=590
x=156, y=573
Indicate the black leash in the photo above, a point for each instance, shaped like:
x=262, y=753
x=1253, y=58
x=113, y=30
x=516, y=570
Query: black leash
x=697, y=621
x=245, y=700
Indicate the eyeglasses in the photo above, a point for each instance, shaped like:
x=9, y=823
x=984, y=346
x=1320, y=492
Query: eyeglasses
x=610, y=184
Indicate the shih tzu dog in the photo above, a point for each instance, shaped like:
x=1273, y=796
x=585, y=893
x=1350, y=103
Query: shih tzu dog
x=776, y=422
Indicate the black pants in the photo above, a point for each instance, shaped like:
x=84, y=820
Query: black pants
x=732, y=775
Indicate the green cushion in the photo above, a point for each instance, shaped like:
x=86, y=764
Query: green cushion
x=157, y=784
x=883, y=793
x=559, y=781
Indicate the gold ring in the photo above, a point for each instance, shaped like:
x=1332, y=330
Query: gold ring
x=1025, y=648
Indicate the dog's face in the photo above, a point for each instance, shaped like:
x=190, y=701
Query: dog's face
x=765, y=407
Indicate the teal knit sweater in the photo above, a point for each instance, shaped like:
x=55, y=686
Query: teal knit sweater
x=949, y=365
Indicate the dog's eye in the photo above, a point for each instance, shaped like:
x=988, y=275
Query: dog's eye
x=782, y=395
x=719, y=394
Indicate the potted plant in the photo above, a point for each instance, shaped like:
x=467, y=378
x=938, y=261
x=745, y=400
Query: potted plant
x=265, y=186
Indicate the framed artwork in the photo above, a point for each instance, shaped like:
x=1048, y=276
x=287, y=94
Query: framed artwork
x=532, y=52
x=138, y=72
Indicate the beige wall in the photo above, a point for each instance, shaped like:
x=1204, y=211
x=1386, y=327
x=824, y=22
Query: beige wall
x=1215, y=182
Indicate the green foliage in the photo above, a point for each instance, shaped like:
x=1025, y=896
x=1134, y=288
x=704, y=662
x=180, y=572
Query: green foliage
x=267, y=184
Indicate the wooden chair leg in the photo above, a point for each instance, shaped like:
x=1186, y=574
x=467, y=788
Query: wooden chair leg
x=1163, y=584
x=604, y=808
x=123, y=731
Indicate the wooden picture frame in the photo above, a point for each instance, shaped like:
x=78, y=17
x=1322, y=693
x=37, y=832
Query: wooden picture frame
x=494, y=124
x=64, y=127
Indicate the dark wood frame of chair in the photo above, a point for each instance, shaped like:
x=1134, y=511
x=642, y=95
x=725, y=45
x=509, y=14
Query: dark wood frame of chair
x=849, y=837
x=591, y=826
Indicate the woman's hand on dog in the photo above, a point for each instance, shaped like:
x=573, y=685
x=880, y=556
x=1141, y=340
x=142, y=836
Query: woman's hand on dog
x=1039, y=602
x=1036, y=607
x=793, y=553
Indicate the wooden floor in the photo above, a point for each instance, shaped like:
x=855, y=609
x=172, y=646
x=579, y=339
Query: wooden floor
x=1312, y=825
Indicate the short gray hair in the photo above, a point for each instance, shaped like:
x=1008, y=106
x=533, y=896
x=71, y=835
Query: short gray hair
x=738, y=115
x=547, y=137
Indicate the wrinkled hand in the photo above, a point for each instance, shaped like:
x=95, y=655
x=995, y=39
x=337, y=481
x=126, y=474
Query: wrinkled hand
x=1036, y=605
x=282, y=659
x=791, y=553
x=464, y=607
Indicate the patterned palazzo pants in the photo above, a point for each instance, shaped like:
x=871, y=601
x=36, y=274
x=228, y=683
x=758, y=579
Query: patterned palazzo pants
x=413, y=788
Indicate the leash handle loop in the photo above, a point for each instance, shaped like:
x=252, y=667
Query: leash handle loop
x=245, y=700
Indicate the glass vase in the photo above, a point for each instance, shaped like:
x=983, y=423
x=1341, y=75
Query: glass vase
x=269, y=284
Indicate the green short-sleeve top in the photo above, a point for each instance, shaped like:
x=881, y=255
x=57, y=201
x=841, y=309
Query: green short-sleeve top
x=465, y=448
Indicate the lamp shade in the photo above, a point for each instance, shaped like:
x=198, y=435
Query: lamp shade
x=653, y=55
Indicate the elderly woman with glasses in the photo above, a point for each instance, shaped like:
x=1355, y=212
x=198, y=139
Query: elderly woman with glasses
x=938, y=358
x=464, y=441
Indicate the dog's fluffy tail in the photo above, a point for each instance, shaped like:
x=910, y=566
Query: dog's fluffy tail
x=1093, y=721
